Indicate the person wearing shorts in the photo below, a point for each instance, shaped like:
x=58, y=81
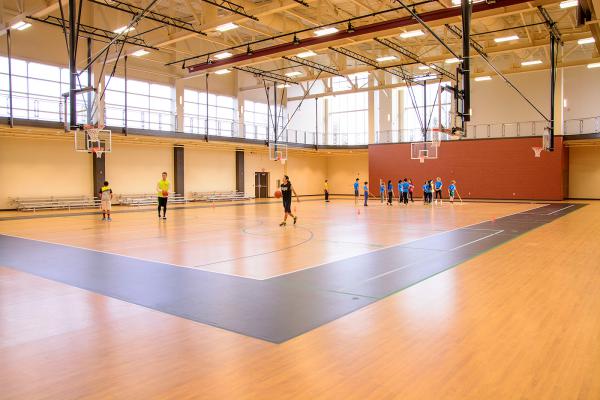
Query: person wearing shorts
x=286, y=196
x=162, y=188
x=438, y=189
x=105, y=201
x=452, y=191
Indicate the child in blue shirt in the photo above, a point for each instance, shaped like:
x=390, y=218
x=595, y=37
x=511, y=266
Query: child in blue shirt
x=400, y=191
x=452, y=191
x=366, y=192
x=390, y=191
x=381, y=191
x=405, y=189
x=438, y=189
x=356, y=192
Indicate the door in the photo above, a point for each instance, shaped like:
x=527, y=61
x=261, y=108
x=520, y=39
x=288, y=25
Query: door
x=261, y=185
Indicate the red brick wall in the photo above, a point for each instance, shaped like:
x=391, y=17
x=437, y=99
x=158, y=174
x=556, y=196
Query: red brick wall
x=482, y=168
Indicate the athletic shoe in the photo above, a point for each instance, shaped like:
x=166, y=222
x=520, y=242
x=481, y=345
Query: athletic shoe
x=109, y=219
x=165, y=217
x=282, y=224
x=103, y=218
x=295, y=219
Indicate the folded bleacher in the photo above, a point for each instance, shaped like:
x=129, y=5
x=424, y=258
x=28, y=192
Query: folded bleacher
x=55, y=202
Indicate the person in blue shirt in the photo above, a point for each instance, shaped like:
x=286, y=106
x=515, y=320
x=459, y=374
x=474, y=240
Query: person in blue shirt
x=425, y=189
x=452, y=191
x=381, y=191
x=356, y=192
x=405, y=189
x=400, y=191
x=390, y=191
x=366, y=192
x=438, y=189
x=411, y=188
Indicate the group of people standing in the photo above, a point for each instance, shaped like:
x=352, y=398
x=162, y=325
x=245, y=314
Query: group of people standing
x=405, y=189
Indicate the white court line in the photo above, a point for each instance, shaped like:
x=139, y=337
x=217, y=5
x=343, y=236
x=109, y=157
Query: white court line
x=564, y=208
x=477, y=240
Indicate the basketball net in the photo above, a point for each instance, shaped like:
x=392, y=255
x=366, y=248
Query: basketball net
x=537, y=151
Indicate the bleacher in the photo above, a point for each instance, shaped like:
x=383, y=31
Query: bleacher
x=55, y=202
x=146, y=199
x=219, y=196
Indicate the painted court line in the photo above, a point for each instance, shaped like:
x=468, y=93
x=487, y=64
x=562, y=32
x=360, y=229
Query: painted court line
x=477, y=240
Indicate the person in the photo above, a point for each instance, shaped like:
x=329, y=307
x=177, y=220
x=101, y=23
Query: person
x=400, y=191
x=326, y=190
x=427, y=192
x=390, y=190
x=286, y=196
x=356, y=192
x=381, y=191
x=438, y=189
x=452, y=191
x=366, y=192
x=162, y=187
x=106, y=195
x=411, y=188
x=405, y=189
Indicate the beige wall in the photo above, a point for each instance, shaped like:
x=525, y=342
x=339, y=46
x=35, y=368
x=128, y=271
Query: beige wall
x=344, y=169
x=209, y=169
x=584, y=172
x=31, y=168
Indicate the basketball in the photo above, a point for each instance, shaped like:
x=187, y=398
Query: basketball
x=165, y=193
x=278, y=194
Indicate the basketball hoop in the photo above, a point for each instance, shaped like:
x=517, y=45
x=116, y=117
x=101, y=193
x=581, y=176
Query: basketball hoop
x=98, y=151
x=422, y=160
x=537, y=151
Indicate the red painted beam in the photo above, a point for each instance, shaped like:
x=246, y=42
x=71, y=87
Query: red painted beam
x=360, y=30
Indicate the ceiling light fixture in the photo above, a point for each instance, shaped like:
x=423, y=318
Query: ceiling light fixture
x=506, y=39
x=296, y=41
x=140, y=53
x=325, y=31
x=305, y=54
x=350, y=28
x=424, y=67
x=124, y=29
x=293, y=74
x=586, y=40
x=532, y=62
x=569, y=3
x=594, y=65
x=386, y=58
x=226, y=27
x=21, y=25
x=483, y=78
x=452, y=61
x=410, y=34
x=223, y=55
x=222, y=72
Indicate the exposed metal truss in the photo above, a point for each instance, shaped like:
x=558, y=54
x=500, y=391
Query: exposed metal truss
x=312, y=64
x=458, y=33
x=270, y=76
x=305, y=4
x=230, y=6
x=152, y=15
x=412, y=56
x=550, y=24
x=89, y=31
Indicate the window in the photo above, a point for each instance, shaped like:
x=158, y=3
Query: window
x=149, y=105
x=348, y=116
x=414, y=118
x=258, y=120
x=37, y=91
x=222, y=114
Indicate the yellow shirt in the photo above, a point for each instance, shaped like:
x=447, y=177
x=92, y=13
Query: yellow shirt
x=162, y=186
x=326, y=186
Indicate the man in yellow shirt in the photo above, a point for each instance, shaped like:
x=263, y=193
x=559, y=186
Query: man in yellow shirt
x=162, y=187
x=326, y=190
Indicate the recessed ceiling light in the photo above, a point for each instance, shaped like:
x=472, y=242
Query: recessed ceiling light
x=506, y=39
x=452, y=61
x=223, y=55
x=424, y=67
x=386, y=58
x=586, y=40
x=568, y=3
x=483, y=78
x=140, y=52
x=533, y=62
x=293, y=74
x=222, y=72
x=306, y=54
x=406, y=35
x=594, y=65
x=325, y=31
x=124, y=29
x=226, y=27
x=21, y=25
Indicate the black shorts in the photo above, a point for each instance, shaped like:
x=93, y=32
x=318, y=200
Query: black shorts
x=287, y=205
x=356, y=192
x=438, y=194
x=162, y=201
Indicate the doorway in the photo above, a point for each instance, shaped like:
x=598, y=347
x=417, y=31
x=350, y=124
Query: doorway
x=261, y=185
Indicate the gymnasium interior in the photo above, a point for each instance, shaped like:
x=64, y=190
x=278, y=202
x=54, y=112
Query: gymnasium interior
x=295, y=144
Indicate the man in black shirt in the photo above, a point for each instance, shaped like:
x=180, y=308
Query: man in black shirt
x=286, y=196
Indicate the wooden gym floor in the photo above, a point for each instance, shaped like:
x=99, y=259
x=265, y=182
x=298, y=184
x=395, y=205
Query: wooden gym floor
x=518, y=321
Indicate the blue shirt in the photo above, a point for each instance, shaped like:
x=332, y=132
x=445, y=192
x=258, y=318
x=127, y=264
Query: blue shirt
x=355, y=185
x=405, y=186
x=427, y=188
x=381, y=188
x=400, y=187
x=438, y=185
x=452, y=187
x=390, y=187
x=366, y=189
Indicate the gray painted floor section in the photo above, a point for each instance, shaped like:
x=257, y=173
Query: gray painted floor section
x=279, y=308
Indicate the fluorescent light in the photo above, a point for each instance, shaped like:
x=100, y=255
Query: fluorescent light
x=293, y=74
x=565, y=103
x=140, y=52
x=21, y=26
x=325, y=31
x=586, y=40
x=533, y=62
x=506, y=39
x=452, y=61
x=458, y=2
x=409, y=34
x=594, y=65
x=306, y=54
x=124, y=29
x=386, y=58
x=223, y=55
x=424, y=78
x=483, y=78
x=424, y=67
x=222, y=72
x=568, y=3
x=226, y=27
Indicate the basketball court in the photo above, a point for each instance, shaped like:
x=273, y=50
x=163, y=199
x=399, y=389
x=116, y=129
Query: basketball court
x=300, y=200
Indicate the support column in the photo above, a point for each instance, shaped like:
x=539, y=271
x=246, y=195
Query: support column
x=326, y=137
x=385, y=109
x=179, y=99
x=371, y=110
x=559, y=109
x=72, y=64
x=179, y=170
x=99, y=172
x=241, y=131
x=239, y=170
